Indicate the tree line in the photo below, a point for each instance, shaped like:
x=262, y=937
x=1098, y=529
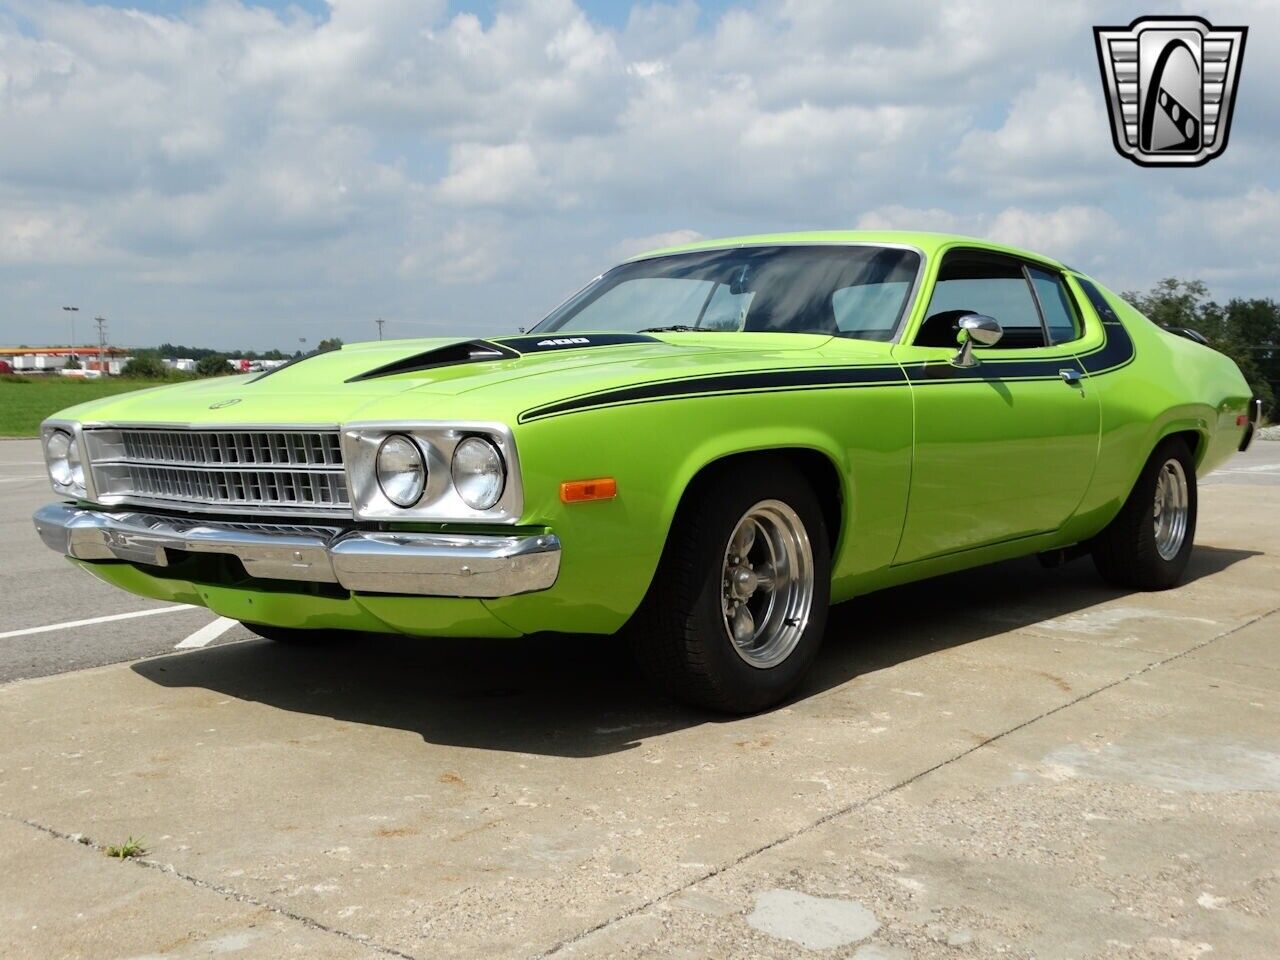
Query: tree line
x=150, y=365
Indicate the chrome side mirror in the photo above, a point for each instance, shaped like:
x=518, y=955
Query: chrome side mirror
x=975, y=328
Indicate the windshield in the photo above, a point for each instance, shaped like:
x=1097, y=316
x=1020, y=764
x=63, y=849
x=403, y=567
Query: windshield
x=846, y=291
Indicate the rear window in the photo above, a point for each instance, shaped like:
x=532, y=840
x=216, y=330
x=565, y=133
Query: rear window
x=1098, y=301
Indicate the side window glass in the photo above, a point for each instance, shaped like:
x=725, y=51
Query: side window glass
x=1059, y=312
x=1098, y=301
x=991, y=285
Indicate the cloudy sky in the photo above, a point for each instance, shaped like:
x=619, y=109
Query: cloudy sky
x=246, y=174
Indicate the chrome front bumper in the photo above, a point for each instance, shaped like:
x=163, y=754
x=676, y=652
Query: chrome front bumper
x=423, y=564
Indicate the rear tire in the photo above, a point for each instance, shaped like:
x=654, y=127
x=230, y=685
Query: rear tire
x=747, y=557
x=1148, y=544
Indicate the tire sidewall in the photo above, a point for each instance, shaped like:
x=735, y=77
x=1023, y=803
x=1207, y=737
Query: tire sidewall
x=1164, y=572
x=745, y=685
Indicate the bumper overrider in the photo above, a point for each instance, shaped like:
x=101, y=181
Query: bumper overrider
x=1254, y=421
x=362, y=561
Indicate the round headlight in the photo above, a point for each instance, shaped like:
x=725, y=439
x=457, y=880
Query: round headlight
x=478, y=473
x=402, y=474
x=58, y=450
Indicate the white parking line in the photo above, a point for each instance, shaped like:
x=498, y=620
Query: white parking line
x=207, y=634
x=49, y=628
x=34, y=476
x=1259, y=468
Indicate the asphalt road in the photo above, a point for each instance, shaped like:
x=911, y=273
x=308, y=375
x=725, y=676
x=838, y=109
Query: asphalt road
x=40, y=590
x=1011, y=761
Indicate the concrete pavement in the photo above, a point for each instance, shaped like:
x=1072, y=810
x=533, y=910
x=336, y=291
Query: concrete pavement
x=1014, y=761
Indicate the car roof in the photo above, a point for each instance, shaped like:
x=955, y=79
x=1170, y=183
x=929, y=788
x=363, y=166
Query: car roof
x=927, y=242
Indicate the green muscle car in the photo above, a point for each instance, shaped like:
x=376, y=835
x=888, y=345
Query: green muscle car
x=700, y=451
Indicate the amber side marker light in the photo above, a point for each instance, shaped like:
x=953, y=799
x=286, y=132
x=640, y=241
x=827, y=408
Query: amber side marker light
x=580, y=491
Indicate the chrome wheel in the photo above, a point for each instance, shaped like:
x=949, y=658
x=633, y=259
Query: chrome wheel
x=767, y=586
x=1171, y=509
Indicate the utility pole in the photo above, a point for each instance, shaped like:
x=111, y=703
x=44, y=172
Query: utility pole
x=102, y=344
x=73, y=311
x=379, y=322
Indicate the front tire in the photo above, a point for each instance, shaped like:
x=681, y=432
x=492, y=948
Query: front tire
x=736, y=612
x=1148, y=544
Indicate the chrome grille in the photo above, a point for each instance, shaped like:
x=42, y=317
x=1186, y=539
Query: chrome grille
x=254, y=471
x=238, y=447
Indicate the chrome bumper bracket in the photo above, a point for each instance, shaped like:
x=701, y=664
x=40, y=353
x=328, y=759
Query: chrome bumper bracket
x=422, y=564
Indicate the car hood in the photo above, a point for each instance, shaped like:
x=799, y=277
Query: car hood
x=442, y=378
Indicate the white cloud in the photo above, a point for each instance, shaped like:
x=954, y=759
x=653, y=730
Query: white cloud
x=1054, y=139
x=46, y=236
x=246, y=169
x=897, y=217
x=634, y=246
x=1206, y=231
x=493, y=176
x=1068, y=233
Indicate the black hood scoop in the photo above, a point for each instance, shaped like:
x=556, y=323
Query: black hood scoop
x=451, y=354
x=505, y=348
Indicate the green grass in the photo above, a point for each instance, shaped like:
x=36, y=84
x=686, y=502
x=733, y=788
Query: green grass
x=130, y=848
x=26, y=400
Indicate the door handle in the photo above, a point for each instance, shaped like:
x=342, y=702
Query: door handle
x=1070, y=376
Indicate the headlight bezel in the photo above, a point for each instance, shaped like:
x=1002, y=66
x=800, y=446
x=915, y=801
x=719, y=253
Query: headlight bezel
x=75, y=482
x=440, y=502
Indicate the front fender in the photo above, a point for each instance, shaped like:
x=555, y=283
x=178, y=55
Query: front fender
x=611, y=549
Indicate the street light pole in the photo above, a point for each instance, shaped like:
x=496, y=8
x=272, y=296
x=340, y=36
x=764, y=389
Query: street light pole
x=73, y=311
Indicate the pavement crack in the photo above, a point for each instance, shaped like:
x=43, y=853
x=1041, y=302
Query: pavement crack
x=857, y=805
x=218, y=888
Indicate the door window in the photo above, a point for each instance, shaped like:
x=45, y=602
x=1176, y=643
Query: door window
x=988, y=284
x=1059, y=311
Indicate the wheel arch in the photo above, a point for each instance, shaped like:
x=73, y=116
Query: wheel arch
x=816, y=465
x=1196, y=438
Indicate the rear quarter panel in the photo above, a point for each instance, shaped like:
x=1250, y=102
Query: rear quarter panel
x=1173, y=385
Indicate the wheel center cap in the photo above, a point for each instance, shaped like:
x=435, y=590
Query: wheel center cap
x=745, y=582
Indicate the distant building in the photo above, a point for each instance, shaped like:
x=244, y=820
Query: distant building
x=44, y=360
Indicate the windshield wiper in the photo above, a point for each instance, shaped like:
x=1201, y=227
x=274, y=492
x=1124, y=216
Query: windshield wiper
x=674, y=328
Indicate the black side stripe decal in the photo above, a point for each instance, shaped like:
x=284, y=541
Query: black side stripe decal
x=1116, y=352
x=765, y=380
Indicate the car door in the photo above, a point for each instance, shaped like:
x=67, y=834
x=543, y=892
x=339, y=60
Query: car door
x=1004, y=449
